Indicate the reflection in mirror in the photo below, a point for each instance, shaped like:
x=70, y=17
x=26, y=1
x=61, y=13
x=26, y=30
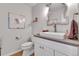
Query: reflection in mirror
x=57, y=13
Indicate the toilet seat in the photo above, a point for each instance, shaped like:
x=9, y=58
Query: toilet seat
x=27, y=44
x=25, y=48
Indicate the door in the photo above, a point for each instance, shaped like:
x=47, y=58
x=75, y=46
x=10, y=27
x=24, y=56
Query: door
x=57, y=53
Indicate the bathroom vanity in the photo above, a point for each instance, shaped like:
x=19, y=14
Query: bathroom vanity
x=44, y=46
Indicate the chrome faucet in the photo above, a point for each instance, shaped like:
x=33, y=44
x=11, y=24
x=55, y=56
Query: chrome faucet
x=55, y=30
x=17, y=38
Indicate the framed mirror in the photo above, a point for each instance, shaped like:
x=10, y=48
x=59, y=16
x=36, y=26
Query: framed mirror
x=57, y=14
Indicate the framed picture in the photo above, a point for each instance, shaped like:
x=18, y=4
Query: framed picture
x=16, y=21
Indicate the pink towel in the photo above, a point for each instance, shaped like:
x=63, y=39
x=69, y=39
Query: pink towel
x=73, y=31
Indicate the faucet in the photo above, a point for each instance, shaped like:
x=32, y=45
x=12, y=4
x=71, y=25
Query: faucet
x=55, y=30
x=17, y=38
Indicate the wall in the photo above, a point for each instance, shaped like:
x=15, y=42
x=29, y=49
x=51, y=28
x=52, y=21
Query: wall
x=38, y=11
x=9, y=43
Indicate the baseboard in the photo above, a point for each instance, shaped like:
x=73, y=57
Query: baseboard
x=12, y=53
x=20, y=53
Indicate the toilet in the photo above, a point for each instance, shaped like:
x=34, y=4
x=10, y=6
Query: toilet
x=27, y=48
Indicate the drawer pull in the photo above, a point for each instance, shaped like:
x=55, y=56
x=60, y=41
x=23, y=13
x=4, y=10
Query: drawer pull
x=41, y=47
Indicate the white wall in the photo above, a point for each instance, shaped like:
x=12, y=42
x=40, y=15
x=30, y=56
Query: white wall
x=9, y=43
x=38, y=11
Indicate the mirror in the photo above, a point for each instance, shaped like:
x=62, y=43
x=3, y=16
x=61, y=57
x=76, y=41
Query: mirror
x=57, y=14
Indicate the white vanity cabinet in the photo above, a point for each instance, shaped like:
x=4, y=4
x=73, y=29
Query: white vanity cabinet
x=45, y=47
x=57, y=53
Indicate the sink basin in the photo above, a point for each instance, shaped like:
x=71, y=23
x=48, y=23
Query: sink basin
x=52, y=35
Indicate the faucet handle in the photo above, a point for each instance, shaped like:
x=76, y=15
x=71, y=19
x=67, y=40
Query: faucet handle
x=17, y=38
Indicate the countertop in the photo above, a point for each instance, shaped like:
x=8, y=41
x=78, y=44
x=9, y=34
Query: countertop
x=64, y=41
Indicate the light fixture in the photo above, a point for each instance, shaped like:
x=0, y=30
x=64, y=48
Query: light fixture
x=46, y=10
x=69, y=4
x=48, y=4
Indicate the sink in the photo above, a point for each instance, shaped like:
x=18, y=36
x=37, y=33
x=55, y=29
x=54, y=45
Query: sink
x=52, y=35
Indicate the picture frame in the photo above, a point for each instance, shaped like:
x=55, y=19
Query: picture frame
x=16, y=21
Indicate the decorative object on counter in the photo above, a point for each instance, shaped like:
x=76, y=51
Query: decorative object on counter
x=45, y=30
x=35, y=20
x=16, y=21
x=74, y=29
x=66, y=34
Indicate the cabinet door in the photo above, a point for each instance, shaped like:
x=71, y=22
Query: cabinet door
x=57, y=53
x=42, y=50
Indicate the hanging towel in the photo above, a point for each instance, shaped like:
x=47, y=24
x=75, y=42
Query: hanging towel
x=73, y=31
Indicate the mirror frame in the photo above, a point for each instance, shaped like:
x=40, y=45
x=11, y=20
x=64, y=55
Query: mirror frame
x=64, y=13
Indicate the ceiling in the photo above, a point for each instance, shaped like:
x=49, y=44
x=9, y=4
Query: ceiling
x=53, y=4
x=31, y=4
